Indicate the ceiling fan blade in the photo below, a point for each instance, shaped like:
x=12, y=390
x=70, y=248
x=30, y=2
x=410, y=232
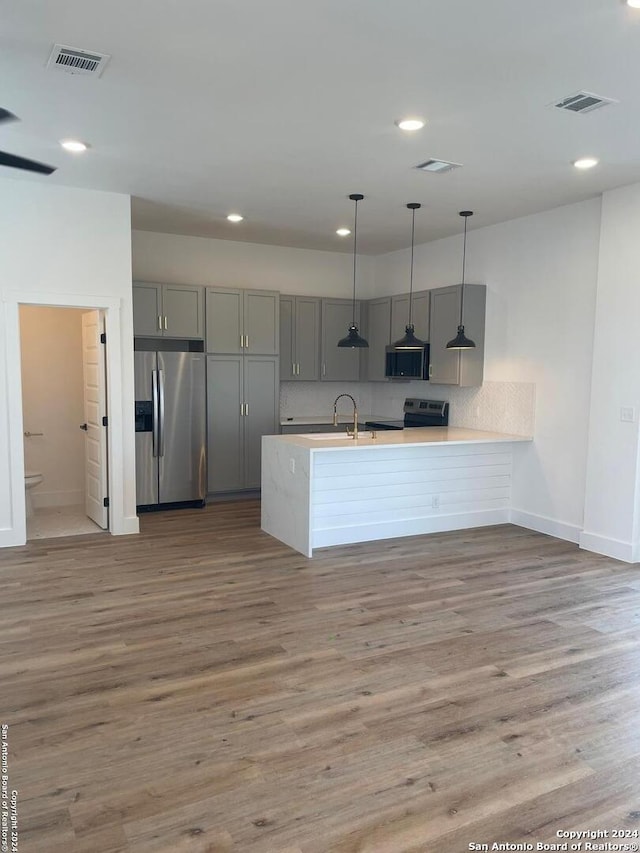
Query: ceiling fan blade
x=22, y=163
x=5, y=115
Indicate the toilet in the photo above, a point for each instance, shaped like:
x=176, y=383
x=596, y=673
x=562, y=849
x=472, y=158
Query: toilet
x=31, y=479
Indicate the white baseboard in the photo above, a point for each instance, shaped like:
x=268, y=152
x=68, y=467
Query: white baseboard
x=543, y=524
x=130, y=524
x=615, y=548
x=408, y=527
x=72, y=497
x=10, y=537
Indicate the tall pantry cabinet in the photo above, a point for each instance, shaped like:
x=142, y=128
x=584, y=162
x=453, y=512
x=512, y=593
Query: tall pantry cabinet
x=242, y=384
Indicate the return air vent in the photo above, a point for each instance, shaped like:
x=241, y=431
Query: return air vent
x=437, y=166
x=73, y=60
x=583, y=102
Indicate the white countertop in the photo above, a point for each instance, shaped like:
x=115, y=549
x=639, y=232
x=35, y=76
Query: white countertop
x=397, y=438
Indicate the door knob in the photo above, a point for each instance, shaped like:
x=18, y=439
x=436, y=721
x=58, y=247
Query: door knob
x=85, y=427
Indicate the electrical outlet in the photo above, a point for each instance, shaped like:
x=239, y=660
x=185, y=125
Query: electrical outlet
x=435, y=502
x=627, y=413
x=292, y=465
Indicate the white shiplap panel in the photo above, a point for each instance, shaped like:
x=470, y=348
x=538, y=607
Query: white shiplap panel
x=401, y=481
x=413, y=491
x=373, y=495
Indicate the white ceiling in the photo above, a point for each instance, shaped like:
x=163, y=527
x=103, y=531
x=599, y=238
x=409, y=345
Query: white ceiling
x=280, y=109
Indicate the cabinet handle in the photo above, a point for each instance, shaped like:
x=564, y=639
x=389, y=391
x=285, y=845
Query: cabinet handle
x=246, y=341
x=293, y=368
x=298, y=368
x=160, y=322
x=430, y=371
x=241, y=410
x=246, y=409
x=166, y=323
x=324, y=369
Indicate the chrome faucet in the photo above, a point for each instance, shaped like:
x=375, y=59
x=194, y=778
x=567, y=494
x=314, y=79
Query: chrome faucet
x=353, y=432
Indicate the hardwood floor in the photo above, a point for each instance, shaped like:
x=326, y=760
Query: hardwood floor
x=201, y=687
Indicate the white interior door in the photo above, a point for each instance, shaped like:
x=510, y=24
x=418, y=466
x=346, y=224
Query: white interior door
x=95, y=408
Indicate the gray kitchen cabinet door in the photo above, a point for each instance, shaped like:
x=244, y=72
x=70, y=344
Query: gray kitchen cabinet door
x=457, y=367
x=261, y=322
x=225, y=423
x=147, y=309
x=299, y=338
x=262, y=404
x=419, y=314
x=377, y=330
x=287, y=319
x=338, y=363
x=224, y=320
x=183, y=309
x=307, y=337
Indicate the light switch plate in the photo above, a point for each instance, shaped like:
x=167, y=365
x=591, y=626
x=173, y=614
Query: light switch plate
x=627, y=413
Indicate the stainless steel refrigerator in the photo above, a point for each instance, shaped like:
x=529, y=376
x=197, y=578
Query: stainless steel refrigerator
x=170, y=429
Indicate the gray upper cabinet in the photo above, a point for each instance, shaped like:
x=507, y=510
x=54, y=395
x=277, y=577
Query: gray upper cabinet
x=457, y=367
x=242, y=406
x=420, y=305
x=299, y=337
x=376, y=317
x=242, y=321
x=168, y=310
x=338, y=363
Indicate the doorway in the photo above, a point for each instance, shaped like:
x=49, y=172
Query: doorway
x=64, y=420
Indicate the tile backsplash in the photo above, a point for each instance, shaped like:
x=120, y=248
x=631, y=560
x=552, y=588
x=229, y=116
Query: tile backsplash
x=497, y=406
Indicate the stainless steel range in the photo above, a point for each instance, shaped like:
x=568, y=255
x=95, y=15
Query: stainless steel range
x=417, y=413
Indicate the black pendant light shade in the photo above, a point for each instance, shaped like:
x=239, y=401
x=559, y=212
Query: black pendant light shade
x=354, y=339
x=409, y=341
x=461, y=341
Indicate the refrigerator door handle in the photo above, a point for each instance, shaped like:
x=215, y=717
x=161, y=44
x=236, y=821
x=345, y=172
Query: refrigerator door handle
x=154, y=406
x=161, y=411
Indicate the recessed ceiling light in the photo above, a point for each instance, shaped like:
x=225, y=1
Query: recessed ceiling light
x=410, y=123
x=73, y=145
x=343, y=232
x=586, y=162
x=235, y=217
x=635, y=4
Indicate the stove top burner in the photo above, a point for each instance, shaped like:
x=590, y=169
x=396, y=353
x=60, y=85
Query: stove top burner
x=417, y=413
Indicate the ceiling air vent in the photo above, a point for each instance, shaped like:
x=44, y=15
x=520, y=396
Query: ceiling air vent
x=73, y=60
x=583, y=102
x=437, y=166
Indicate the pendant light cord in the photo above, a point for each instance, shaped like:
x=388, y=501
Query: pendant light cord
x=413, y=229
x=465, y=214
x=355, y=255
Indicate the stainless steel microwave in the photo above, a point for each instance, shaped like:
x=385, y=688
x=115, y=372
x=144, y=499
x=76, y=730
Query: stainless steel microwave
x=407, y=363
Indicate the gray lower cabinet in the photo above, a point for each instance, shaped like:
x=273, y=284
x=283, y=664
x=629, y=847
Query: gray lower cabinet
x=242, y=406
x=242, y=321
x=376, y=327
x=457, y=367
x=168, y=310
x=420, y=305
x=338, y=363
x=299, y=338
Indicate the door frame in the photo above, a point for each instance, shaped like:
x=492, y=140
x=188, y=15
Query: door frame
x=118, y=522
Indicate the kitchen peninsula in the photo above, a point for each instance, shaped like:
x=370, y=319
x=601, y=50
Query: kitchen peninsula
x=324, y=489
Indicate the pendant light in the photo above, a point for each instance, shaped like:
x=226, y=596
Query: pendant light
x=461, y=341
x=409, y=341
x=354, y=338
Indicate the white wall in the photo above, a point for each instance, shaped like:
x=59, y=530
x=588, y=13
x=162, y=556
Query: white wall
x=611, y=506
x=65, y=246
x=541, y=275
x=172, y=258
x=52, y=402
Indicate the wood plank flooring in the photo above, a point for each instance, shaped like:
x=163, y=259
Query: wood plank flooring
x=201, y=687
